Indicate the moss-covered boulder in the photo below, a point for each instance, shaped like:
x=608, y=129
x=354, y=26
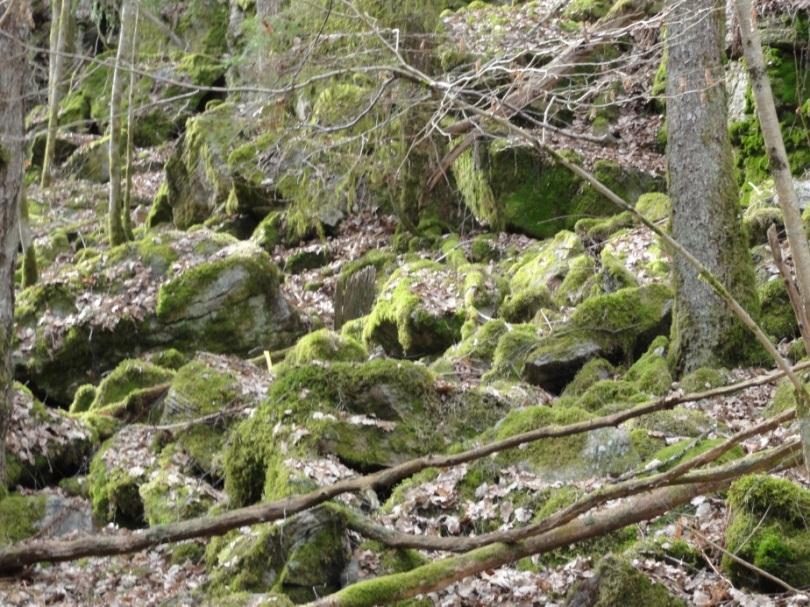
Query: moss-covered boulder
x=198, y=179
x=617, y=581
x=326, y=345
x=776, y=316
x=117, y=471
x=367, y=415
x=768, y=528
x=129, y=376
x=651, y=372
x=302, y=557
x=545, y=266
x=421, y=309
x=606, y=451
x=510, y=185
x=617, y=326
x=43, y=445
x=189, y=290
x=161, y=104
x=211, y=384
x=90, y=161
x=172, y=494
x=20, y=517
x=230, y=302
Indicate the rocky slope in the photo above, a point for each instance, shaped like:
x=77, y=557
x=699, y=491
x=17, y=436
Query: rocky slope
x=292, y=313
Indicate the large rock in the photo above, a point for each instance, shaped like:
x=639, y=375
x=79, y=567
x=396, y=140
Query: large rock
x=617, y=326
x=207, y=385
x=515, y=186
x=618, y=582
x=423, y=305
x=366, y=415
x=44, y=514
x=302, y=557
x=768, y=528
x=43, y=445
x=603, y=452
x=195, y=291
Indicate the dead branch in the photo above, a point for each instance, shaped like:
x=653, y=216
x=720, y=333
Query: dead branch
x=585, y=504
x=27, y=553
x=606, y=30
x=793, y=292
x=745, y=563
x=440, y=574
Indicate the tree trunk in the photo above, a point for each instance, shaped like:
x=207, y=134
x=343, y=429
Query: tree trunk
x=783, y=180
x=703, y=190
x=30, y=270
x=127, y=205
x=60, y=21
x=117, y=234
x=15, y=20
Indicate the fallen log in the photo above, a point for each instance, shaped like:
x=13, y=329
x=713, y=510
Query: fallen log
x=20, y=555
x=442, y=573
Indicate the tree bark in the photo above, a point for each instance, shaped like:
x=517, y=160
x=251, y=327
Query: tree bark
x=703, y=189
x=116, y=232
x=61, y=22
x=15, y=21
x=783, y=180
x=30, y=269
x=127, y=204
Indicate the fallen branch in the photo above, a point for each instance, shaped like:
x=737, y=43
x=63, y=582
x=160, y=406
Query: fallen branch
x=442, y=573
x=744, y=563
x=586, y=503
x=27, y=553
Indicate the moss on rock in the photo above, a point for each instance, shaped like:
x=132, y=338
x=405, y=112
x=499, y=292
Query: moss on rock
x=230, y=304
x=19, y=517
x=326, y=345
x=777, y=317
x=302, y=558
x=129, y=376
x=768, y=528
x=618, y=582
x=405, y=321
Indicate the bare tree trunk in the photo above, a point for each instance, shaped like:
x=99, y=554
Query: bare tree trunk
x=127, y=206
x=116, y=230
x=703, y=189
x=780, y=169
x=15, y=21
x=30, y=270
x=61, y=22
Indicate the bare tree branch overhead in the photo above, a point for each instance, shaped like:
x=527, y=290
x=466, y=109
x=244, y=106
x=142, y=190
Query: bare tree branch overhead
x=428, y=302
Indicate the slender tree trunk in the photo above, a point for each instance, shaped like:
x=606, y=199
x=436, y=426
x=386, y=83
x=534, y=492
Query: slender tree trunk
x=117, y=233
x=127, y=206
x=30, y=270
x=782, y=177
x=15, y=20
x=703, y=189
x=61, y=23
